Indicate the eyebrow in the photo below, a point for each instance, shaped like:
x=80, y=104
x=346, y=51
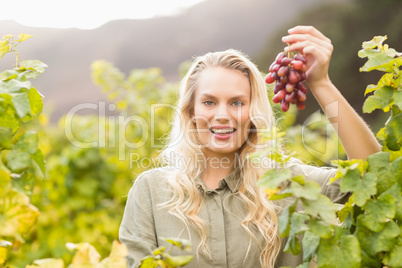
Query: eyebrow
x=209, y=96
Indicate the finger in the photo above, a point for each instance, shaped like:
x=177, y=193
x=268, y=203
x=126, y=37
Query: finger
x=308, y=30
x=293, y=38
x=301, y=48
x=319, y=54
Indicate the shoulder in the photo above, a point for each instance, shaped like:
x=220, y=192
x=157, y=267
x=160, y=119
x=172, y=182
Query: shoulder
x=151, y=187
x=156, y=180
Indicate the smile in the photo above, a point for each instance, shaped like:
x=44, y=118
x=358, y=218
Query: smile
x=222, y=131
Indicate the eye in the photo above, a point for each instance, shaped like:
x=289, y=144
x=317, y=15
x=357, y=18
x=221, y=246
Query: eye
x=237, y=103
x=208, y=103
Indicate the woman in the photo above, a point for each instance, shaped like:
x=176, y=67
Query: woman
x=207, y=190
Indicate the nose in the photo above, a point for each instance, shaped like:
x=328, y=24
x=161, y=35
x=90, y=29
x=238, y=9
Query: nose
x=222, y=114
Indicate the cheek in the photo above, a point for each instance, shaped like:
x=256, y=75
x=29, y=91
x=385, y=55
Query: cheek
x=245, y=119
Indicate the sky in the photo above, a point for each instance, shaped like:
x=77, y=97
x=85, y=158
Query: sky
x=86, y=14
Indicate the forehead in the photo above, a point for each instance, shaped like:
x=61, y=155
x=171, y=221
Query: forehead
x=222, y=82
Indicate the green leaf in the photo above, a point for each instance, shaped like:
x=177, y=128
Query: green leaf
x=35, y=67
x=299, y=179
x=394, y=258
x=311, y=190
x=8, y=119
x=340, y=251
x=320, y=228
x=393, y=131
x=4, y=50
x=398, y=98
x=28, y=142
x=35, y=102
x=374, y=242
x=362, y=189
x=182, y=244
x=385, y=171
x=284, y=219
x=322, y=207
x=148, y=262
x=5, y=181
x=18, y=214
x=310, y=244
x=273, y=178
x=375, y=42
x=381, y=99
x=14, y=86
x=368, y=188
x=345, y=165
x=298, y=223
x=177, y=261
x=18, y=160
x=40, y=161
x=347, y=213
x=8, y=75
x=6, y=136
x=22, y=37
x=386, y=80
x=377, y=60
x=292, y=246
x=21, y=154
x=378, y=212
x=350, y=181
x=370, y=261
x=395, y=192
x=21, y=104
x=297, y=226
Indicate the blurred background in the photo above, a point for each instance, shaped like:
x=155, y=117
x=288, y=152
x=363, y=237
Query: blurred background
x=168, y=39
x=132, y=54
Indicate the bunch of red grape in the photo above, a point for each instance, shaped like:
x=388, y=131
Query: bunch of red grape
x=289, y=75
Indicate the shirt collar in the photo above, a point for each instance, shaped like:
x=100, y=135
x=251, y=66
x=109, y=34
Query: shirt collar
x=232, y=181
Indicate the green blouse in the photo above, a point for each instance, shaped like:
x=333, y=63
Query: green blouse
x=144, y=223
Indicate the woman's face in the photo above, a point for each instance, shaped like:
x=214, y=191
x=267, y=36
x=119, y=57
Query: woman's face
x=221, y=111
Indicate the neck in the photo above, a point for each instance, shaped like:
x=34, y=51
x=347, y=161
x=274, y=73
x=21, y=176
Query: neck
x=217, y=168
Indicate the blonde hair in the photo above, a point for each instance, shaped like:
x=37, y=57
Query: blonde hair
x=187, y=199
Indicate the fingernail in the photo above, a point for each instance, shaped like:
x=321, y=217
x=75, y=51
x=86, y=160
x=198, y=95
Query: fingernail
x=285, y=39
x=291, y=30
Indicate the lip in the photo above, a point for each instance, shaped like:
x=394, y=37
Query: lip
x=220, y=136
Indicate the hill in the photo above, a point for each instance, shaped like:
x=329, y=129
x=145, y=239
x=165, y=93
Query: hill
x=163, y=42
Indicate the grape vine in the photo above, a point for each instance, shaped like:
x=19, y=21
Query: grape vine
x=370, y=234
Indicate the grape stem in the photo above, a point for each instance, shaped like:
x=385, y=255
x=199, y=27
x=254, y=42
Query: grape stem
x=289, y=53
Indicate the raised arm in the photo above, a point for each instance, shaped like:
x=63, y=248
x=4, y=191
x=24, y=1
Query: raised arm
x=355, y=136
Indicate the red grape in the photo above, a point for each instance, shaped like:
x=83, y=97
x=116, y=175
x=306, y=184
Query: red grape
x=283, y=71
x=297, y=65
x=279, y=96
x=285, y=61
x=284, y=105
x=269, y=79
x=289, y=97
x=289, y=75
x=301, y=105
x=294, y=77
x=301, y=96
x=300, y=58
x=280, y=57
x=290, y=87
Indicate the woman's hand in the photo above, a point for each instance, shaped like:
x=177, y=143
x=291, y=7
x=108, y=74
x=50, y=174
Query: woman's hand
x=316, y=48
x=357, y=139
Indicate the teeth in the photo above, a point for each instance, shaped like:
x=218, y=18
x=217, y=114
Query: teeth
x=222, y=130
